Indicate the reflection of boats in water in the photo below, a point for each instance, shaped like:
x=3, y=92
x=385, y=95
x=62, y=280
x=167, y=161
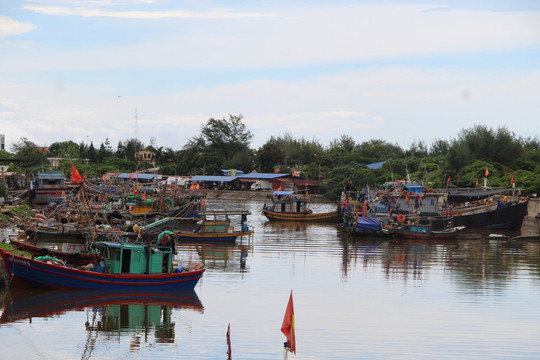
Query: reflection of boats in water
x=26, y=304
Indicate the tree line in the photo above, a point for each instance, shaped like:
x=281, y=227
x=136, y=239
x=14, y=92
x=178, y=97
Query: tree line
x=226, y=144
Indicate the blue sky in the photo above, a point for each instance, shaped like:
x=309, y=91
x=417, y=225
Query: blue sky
x=400, y=71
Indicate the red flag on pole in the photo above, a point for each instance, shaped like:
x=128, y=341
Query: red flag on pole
x=487, y=172
x=75, y=176
x=476, y=181
x=512, y=180
x=229, y=351
x=287, y=327
x=448, y=180
x=131, y=175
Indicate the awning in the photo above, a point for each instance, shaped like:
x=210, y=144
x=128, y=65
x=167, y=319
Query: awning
x=283, y=192
x=460, y=196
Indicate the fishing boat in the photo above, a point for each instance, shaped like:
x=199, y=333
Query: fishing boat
x=487, y=209
x=289, y=206
x=474, y=208
x=215, y=226
x=369, y=226
x=70, y=253
x=426, y=228
x=48, y=186
x=125, y=266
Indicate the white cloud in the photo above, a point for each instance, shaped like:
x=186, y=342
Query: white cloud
x=10, y=27
x=168, y=14
x=299, y=36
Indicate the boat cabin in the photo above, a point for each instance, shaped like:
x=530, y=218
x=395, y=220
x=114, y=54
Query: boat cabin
x=216, y=221
x=127, y=258
x=289, y=202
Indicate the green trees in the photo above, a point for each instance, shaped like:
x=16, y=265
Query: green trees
x=225, y=143
x=32, y=156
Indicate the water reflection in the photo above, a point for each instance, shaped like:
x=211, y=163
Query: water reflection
x=144, y=317
x=472, y=264
x=223, y=257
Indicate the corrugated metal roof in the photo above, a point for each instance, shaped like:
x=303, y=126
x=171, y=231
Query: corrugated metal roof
x=138, y=176
x=262, y=176
x=376, y=165
x=212, y=178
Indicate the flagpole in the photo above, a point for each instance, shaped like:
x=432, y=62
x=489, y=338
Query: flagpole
x=286, y=349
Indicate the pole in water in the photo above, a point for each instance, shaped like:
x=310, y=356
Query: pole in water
x=286, y=348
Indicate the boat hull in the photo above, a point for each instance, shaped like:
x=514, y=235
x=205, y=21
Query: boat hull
x=30, y=273
x=508, y=218
x=330, y=217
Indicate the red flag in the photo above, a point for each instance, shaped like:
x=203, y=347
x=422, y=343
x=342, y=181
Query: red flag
x=279, y=188
x=75, y=176
x=448, y=180
x=476, y=181
x=104, y=178
x=131, y=175
x=135, y=191
x=229, y=351
x=192, y=187
x=56, y=194
x=198, y=187
x=287, y=327
x=487, y=172
x=512, y=180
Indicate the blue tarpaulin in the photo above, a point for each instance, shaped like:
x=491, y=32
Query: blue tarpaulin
x=283, y=192
x=368, y=223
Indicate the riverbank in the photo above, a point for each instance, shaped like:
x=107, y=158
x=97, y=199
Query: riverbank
x=250, y=195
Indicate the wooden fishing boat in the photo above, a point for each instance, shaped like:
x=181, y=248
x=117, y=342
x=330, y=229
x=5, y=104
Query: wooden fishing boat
x=288, y=206
x=427, y=228
x=70, y=253
x=424, y=232
x=370, y=227
x=48, y=186
x=216, y=227
x=129, y=267
x=486, y=209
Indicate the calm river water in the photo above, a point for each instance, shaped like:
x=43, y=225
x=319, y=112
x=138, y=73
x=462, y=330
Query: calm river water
x=353, y=299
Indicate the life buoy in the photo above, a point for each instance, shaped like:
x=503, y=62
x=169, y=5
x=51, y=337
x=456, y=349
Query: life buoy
x=401, y=219
x=404, y=193
x=429, y=190
x=40, y=217
x=410, y=194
